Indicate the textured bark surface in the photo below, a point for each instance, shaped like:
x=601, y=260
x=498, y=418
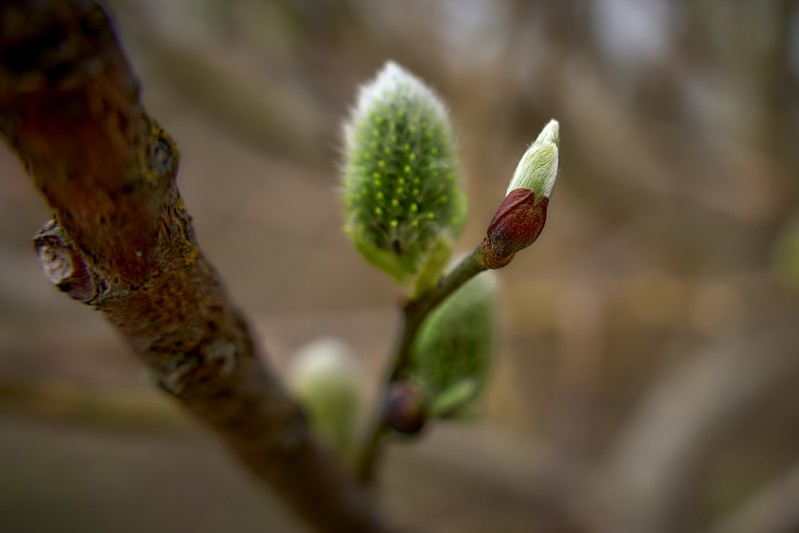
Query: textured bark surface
x=122, y=241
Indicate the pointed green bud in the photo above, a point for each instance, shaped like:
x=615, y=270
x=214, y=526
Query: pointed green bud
x=538, y=167
x=521, y=217
x=450, y=357
x=403, y=202
x=326, y=378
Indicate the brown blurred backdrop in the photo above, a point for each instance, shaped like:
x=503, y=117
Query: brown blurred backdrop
x=648, y=374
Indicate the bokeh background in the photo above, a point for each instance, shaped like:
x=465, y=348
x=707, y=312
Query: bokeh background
x=647, y=379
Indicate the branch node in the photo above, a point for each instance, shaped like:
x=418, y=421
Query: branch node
x=174, y=382
x=221, y=351
x=63, y=265
x=162, y=156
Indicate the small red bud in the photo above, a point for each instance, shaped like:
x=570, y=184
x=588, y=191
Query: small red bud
x=404, y=409
x=516, y=225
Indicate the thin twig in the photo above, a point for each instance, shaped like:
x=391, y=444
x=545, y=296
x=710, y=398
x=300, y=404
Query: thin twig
x=413, y=314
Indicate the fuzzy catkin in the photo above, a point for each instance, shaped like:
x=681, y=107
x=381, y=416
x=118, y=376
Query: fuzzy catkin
x=403, y=201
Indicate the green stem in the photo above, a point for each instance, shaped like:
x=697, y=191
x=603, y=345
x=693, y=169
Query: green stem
x=413, y=313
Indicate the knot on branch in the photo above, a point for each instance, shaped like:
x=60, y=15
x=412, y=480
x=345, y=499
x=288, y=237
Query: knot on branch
x=180, y=361
x=160, y=157
x=63, y=264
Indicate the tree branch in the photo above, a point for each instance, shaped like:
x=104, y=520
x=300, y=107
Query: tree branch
x=122, y=241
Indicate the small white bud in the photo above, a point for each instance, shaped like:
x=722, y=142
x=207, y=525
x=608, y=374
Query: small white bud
x=538, y=167
x=326, y=378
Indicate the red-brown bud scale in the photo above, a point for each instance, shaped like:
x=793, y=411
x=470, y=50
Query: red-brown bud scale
x=516, y=225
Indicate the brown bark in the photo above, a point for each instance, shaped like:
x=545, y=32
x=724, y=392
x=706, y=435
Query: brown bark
x=122, y=242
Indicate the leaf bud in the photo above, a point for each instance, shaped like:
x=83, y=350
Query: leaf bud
x=451, y=355
x=521, y=217
x=404, y=408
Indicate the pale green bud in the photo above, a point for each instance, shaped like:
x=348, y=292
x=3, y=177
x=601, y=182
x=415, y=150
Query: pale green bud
x=538, y=167
x=403, y=202
x=451, y=355
x=326, y=379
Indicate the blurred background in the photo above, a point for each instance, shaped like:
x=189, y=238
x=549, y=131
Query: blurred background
x=647, y=379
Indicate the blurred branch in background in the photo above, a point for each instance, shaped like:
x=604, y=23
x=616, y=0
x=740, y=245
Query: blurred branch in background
x=656, y=469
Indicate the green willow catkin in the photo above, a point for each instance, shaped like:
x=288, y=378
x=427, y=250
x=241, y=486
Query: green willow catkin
x=403, y=202
x=451, y=356
x=326, y=378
